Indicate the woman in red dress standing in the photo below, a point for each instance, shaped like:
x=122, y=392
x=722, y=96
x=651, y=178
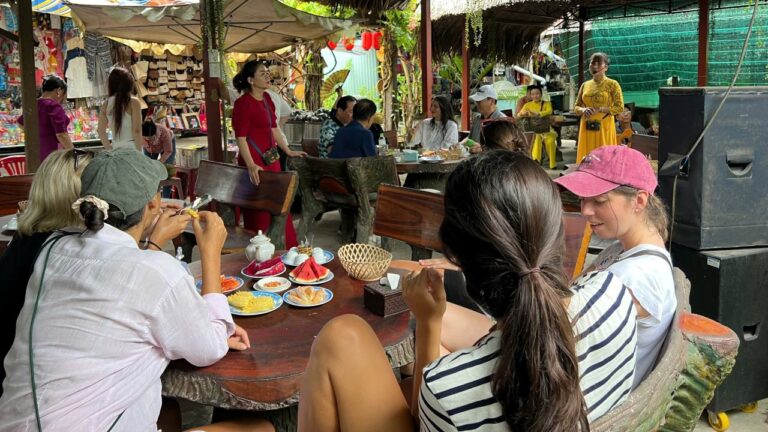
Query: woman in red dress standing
x=258, y=138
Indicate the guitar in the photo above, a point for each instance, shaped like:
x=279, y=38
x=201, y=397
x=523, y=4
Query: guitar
x=626, y=136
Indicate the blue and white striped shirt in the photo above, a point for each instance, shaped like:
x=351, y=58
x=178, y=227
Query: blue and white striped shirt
x=456, y=393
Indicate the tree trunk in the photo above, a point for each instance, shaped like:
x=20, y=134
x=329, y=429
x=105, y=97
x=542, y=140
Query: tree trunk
x=313, y=76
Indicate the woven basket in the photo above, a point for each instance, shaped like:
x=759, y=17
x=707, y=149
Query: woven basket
x=363, y=261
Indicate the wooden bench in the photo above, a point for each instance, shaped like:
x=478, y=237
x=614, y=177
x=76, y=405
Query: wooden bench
x=646, y=144
x=12, y=190
x=696, y=357
x=230, y=185
x=346, y=184
x=412, y=216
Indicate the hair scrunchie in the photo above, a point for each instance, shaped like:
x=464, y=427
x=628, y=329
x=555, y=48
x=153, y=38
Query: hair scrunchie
x=98, y=202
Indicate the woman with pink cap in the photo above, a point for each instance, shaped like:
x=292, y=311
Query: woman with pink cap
x=616, y=185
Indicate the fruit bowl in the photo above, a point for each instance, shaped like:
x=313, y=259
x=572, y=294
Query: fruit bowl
x=363, y=261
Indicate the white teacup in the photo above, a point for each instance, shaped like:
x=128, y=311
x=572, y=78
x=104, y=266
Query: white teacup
x=290, y=256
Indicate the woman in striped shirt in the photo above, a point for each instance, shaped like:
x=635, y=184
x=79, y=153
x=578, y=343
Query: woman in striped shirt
x=555, y=357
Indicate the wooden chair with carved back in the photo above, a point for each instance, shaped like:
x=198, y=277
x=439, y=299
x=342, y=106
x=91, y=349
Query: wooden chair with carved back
x=12, y=190
x=697, y=355
x=412, y=216
x=349, y=185
x=310, y=146
x=230, y=185
x=391, y=137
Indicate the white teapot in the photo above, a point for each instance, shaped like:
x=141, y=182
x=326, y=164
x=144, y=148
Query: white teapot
x=260, y=249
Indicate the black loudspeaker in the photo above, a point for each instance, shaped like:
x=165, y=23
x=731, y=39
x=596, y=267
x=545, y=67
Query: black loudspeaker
x=722, y=200
x=731, y=287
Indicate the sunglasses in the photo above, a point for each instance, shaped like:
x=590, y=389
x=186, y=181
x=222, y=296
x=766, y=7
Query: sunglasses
x=78, y=154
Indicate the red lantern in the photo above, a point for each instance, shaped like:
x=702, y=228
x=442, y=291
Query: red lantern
x=331, y=44
x=377, y=40
x=349, y=44
x=367, y=38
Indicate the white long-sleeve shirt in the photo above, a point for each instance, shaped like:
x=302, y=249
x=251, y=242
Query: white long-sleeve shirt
x=110, y=319
x=435, y=136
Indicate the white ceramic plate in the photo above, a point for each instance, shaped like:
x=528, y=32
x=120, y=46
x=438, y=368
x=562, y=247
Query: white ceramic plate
x=327, y=257
x=328, y=297
x=259, y=277
x=284, y=284
x=276, y=297
x=320, y=282
x=431, y=159
x=240, y=283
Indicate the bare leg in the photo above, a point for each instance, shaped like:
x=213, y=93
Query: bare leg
x=462, y=327
x=349, y=385
x=238, y=425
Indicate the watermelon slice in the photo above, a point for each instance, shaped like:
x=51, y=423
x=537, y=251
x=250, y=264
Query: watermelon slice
x=305, y=273
x=319, y=271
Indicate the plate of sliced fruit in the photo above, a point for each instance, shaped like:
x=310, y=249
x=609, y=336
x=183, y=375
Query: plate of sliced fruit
x=229, y=284
x=254, y=303
x=258, y=270
x=308, y=296
x=310, y=273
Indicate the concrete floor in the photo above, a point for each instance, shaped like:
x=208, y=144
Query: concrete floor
x=326, y=237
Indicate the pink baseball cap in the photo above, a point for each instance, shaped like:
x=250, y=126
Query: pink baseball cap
x=607, y=168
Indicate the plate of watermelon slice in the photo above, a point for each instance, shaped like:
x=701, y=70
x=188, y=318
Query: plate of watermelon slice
x=258, y=270
x=310, y=273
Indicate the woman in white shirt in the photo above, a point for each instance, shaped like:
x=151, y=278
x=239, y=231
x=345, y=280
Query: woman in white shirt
x=616, y=185
x=439, y=131
x=121, y=113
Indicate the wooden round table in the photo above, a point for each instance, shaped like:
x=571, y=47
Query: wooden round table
x=427, y=175
x=267, y=376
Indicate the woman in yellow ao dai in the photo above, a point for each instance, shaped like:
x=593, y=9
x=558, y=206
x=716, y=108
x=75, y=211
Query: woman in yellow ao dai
x=599, y=100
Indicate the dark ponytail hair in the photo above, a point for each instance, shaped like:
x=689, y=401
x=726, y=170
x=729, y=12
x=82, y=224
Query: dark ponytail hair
x=93, y=218
x=240, y=81
x=53, y=82
x=120, y=85
x=503, y=226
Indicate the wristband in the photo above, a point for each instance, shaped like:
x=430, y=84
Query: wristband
x=148, y=243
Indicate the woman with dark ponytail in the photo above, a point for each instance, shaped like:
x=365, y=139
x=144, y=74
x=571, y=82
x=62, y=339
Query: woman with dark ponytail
x=555, y=359
x=121, y=113
x=258, y=138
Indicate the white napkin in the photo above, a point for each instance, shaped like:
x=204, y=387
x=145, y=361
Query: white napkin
x=394, y=280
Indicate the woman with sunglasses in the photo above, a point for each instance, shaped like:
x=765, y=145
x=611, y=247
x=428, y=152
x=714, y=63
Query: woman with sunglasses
x=55, y=187
x=53, y=121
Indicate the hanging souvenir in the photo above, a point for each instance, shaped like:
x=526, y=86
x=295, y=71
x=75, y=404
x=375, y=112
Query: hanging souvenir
x=377, y=37
x=332, y=45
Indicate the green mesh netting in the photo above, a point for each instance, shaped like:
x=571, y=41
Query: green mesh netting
x=645, y=51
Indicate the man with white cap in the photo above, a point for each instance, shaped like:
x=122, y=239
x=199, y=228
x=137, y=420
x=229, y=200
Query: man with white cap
x=485, y=99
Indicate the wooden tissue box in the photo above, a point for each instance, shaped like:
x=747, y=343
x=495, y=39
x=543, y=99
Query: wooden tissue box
x=383, y=300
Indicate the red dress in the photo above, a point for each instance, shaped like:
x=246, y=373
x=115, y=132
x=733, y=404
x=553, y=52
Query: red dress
x=255, y=119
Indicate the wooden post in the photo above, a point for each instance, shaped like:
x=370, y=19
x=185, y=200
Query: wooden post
x=465, y=78
x=582, y=13
x=28, y=87
x=426, y=56
x=703, y=43
x=212, y=97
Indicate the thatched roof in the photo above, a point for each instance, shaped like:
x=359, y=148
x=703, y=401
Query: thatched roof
x=366, y=9
x=511, y=28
